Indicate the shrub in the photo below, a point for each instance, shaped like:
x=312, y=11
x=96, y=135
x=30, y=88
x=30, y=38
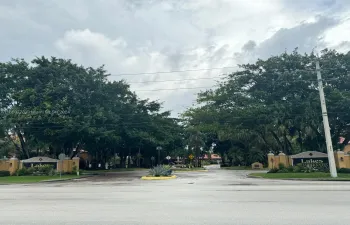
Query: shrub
x=74, y=170
x=43, y=169
x=344, y=170
x=290, y=169
x=307, y=169
x=281, y=166
x=160, y=170
x=206, y=163
x=4, y=173
x=321, y=167
x=296, y=169
x=37, y=170
x=315, y=167
x=30, y=170
x=23, y=172
x=284, y=170
x=274, y=170
x=52, y=172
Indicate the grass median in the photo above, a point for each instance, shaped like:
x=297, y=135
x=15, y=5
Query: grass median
x=33, y=179
x=189, y=169
x=237, y=168
x=112, y=170
x=301, y=176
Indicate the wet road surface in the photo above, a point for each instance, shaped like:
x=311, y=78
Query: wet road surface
x=214, y=197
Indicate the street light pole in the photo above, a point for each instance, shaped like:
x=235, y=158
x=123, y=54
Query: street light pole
x=327, y=132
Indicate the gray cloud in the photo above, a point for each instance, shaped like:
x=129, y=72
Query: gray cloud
x=249, y=46
x=343, y=45
x=143, y=36
x=305, y=37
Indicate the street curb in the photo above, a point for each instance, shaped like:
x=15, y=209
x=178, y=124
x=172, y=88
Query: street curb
x=183, y=171
x=158, y=178
x=57, y=180
x=48, y=181
x=112, y=171
x=298, y=179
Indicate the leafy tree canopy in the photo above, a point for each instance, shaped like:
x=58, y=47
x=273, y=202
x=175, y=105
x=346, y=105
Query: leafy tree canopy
x=273, y=105
x=53, y=105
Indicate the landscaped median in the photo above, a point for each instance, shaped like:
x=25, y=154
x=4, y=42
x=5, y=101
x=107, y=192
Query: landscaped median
x=190, y=170
x=317, y=176
x=237, y=168
x=160, y=172
x=158, y=178
x=102, y=171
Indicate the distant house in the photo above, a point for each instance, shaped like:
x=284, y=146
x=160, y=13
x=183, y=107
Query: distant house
x=212, y=157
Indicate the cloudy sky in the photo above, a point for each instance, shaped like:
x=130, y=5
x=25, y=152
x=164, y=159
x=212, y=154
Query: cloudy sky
x=142, y=40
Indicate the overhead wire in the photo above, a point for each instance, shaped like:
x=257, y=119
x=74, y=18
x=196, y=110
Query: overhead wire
x=173, y=71
x=205, y=78
x=130, y=125
x=209, y=87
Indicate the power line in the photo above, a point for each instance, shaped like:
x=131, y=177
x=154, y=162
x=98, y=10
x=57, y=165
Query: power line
x=169, y=89
x=216, y=68
x=173, y=71
x=209, y=78
x=211, y=87
x=142, y=123
x=160, y=81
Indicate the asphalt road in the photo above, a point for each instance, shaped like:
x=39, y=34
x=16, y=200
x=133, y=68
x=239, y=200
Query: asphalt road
x=214, y=197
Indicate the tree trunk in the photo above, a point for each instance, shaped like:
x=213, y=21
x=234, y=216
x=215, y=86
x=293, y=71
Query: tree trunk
x=277, y=139
x=23, y=144
x=300, y=141
x=288, y=145
x=231, y=161
x=265, y=141
x=18, y=149
x=77, y=149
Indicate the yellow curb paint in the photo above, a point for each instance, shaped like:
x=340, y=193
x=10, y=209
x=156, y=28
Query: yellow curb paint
x=158, y=178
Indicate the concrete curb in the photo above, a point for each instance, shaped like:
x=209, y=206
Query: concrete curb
x=298, y=179
x=73, y=178
x=48, y=181
x=158, y=178
x=183, y=171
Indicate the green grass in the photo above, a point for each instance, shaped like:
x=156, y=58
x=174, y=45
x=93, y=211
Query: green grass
x=237, y=168
x=32, y=179
x=315, y=176
x=188, y=169
x=113, y=170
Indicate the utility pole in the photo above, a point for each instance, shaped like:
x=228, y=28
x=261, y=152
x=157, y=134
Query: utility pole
x=327, y=132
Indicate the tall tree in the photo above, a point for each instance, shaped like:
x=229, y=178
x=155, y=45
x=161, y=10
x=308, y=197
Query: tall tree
x=53, y=105
x=273, y=105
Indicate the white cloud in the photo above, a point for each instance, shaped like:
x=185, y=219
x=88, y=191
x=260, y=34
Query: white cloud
x=91, y=48
x=338, y=37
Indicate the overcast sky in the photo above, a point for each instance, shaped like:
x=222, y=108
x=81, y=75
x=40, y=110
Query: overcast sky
x=148, y=36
